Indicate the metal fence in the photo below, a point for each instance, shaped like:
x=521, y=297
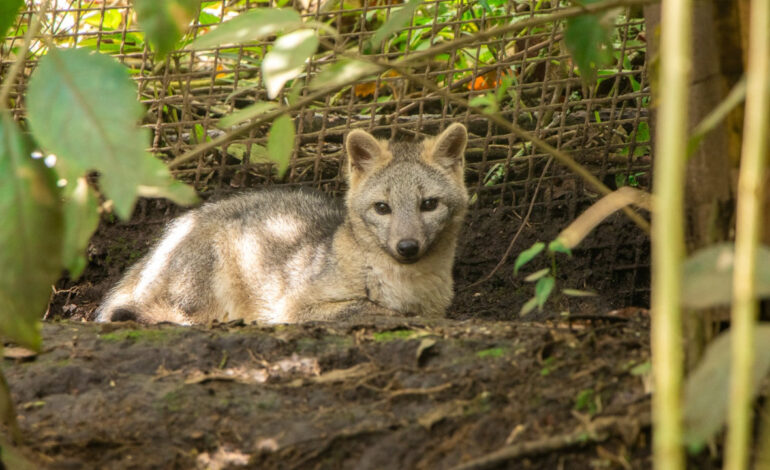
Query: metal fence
x=604, y=126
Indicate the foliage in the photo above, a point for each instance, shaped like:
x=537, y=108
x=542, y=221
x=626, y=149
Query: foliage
x=706, y=393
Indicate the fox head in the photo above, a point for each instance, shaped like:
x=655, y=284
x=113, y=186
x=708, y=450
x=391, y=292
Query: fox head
x=407, y=197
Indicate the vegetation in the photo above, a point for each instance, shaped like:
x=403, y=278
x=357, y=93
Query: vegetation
x=51, y=198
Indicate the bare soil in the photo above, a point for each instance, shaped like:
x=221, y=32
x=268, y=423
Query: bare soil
x=484, y=388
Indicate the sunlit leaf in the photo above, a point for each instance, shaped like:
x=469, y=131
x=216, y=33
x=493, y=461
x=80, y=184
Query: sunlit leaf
x=707, y=278
x=528, y=306
x=280, y=143
x=80, y=220
x=537, y=275
x=589, y=43
x=30, y=236
x=543, y=290
x=287, y=59
x=527, y=255
x=247, y=113
x=342, y=72
x=578, y=293
x=8, y=11
x=707, y=390
x=251, y=26
x=87, y=133
x=165, y=21
x=398, y=19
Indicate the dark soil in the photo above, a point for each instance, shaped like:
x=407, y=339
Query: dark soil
x=384, y=393
x=559, y=389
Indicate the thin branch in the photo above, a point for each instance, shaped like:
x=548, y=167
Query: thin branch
x=748, y=229
x=668, y=233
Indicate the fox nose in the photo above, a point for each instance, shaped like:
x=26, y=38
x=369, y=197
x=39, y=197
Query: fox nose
x=408, y=247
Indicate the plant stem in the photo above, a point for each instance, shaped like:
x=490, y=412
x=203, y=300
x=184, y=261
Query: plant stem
x=32, y=30
x=668, y=233
x=747, y=233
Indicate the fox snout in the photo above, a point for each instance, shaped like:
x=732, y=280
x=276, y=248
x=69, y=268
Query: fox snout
x=408, y=249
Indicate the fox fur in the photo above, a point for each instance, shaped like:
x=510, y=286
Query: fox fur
x=286, y=256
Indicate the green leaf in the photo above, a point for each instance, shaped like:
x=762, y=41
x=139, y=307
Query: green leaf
x=287, y=59
x=528, y=306
x=543, y=290
x=707, y=390
x=86, y=133
x=707, y=276
x=280, y=143
x=527, y=255
x=30, y=236
x=537, y=275
x=397, y=20
x=558, y=246
x=81, y=217
x=247, y=27
x=260, y=107
x=588, y=41
x=8, y=11
x=341, y=72
x=165, y=21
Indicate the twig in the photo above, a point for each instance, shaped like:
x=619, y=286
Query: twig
x=598, y=431
x=10, y=79
x=512, y=243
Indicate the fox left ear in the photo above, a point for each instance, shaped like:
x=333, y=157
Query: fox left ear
x=449, y=147
x=363, y=150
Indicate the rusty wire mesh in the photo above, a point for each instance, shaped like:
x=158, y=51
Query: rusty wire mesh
x=603, y=126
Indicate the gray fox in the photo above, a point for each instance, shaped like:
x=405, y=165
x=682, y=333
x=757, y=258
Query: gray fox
x=286, y=256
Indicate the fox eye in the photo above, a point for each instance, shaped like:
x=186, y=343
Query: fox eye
x=429, y=204
x=382, y=208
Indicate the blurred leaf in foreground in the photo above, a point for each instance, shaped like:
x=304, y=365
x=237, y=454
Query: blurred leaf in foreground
x=30, y=236
x=165, y=21
x=280, y=143
x=250, y=26
x=707, y=277
x=9, y=9
x=88, y=117
x=708, y=387
x=81, y=217
x=287, y=59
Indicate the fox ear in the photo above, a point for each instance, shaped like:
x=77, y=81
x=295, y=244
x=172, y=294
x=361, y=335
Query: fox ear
x=363, y=150
x=449, y=147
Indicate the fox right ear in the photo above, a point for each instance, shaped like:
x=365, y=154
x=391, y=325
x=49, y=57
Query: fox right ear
x=363, y=150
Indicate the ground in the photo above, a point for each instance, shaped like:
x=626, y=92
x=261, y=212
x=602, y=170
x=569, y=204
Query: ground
x=379, y=393
x=481, y=389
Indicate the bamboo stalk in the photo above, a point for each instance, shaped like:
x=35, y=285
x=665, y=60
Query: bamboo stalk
x=747, y=233
x=668, y=233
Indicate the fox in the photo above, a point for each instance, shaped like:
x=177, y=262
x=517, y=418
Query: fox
x=275, y=256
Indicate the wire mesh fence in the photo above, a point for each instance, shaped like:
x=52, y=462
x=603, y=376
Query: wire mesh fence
x=526, y=74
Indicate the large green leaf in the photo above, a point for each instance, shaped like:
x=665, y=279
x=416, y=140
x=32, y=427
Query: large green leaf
x=80, y=221
x=8, y=11
x=397, y=20
x=707, y=276
x=707, y=390
x=588, y=41
x=30, y=236
x=247, y=27
x=165, y=21
x=287, y=59
x=83, y=107
x=280, y=143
